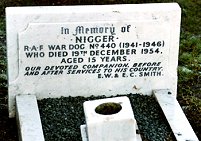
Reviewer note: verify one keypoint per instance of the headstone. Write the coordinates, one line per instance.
(92, 50)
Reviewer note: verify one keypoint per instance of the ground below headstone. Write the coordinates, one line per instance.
(8, 128)
(61, 118)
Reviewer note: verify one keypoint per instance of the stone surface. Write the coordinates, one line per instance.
(83, 129)
(85, 138)
(119, 126)
(175, 116)
(28, 118)
(92, 50)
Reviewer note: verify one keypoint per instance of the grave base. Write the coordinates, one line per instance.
(28, 118)
(175, 116)
(30, 128)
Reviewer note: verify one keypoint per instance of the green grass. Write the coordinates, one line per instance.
(189, 69)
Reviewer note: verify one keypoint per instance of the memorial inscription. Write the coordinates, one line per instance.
(101, 50)
(119, 49)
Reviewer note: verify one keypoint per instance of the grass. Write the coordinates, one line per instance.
(189, 69)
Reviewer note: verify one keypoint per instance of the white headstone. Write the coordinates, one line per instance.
(92, 50)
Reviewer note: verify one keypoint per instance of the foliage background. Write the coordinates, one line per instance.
(189, 69)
